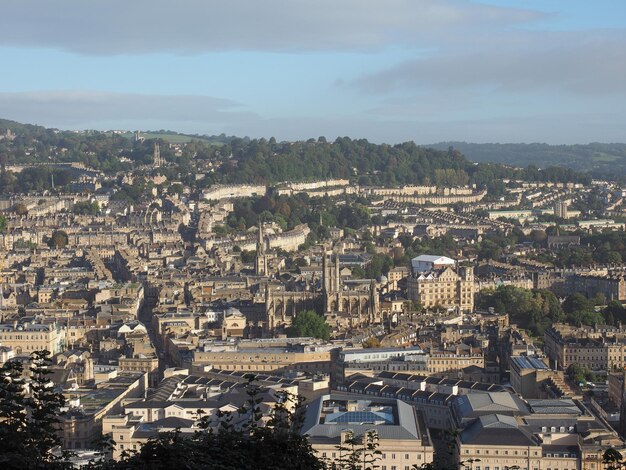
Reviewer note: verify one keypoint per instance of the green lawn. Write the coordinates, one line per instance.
(172, 138)
(605, 158)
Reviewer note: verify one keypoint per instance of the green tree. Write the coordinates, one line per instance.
(176, 188)
(248, 256)
(43, 406)
(581, 311)
(309, 323)
(20, 209)
(379, 265)
(21, 243)
(371, 342)
(86, 208)
(58, 239)
(3, 223)
(532, 309)
(277, 445)
(29, 414)
(576, 373)
(358, 452)
(613, 459)
(13, 415)
(616, 311)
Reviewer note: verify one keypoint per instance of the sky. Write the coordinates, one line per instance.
(386, 70)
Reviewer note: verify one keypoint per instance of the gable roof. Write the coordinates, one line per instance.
(496, 429)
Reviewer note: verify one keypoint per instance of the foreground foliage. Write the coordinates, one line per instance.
(29, 415)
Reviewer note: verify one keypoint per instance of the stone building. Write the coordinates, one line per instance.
(595, 348)
(362, 305)
(28, 337)
(612, 285)
(445, 287)
(402, 436)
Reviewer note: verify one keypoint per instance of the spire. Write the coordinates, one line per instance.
(260, 244)
(157, 160)
(261, 258)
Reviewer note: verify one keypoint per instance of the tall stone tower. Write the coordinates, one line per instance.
(331, 281)
(261, 256)
(157, 160)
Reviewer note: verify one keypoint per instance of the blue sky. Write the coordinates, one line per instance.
(424, 70)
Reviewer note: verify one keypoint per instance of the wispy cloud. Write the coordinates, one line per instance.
(108, 27)
(590, 62)
(206, 115)
(68, 109)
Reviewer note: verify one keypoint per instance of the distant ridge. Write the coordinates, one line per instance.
(596, 158)
(269, 160)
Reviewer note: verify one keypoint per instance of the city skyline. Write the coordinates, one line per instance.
(495, 71)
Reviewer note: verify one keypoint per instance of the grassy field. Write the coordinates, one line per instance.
(170, 137)
(605, 158)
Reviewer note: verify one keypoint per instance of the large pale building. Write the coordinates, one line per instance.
(611, 285)
(265, 356)
(29, 337)
(599, 349)
(424, 263)
(178, 402)
(542, 434)
(401, 433)
(445, 287)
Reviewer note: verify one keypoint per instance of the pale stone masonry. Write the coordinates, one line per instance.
(445, 287)
(597, 348)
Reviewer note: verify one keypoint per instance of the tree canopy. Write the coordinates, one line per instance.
(309, 323)
(29, 420)
(58, 239)
(532, 309)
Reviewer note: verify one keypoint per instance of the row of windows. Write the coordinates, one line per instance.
(21, 337)
(383, 456)
(477, 467)
(506, 452)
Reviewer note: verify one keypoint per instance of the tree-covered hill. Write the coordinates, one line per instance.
(267, 161)
(242, 160)
(597, 158)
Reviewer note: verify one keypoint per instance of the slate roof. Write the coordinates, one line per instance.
(496, 429)
(407, 426)
(152, 429)
(554, 406)
(477, 404)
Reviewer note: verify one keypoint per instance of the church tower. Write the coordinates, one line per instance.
(331, 281)
(261, 256)
(157, 160)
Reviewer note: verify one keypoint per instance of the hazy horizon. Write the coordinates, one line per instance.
(420, 70)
